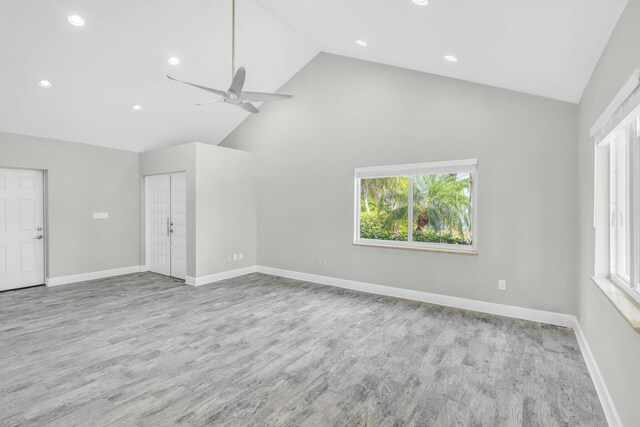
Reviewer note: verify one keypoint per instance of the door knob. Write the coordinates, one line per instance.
(38, 237)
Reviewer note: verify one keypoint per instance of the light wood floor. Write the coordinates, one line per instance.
(145, 350)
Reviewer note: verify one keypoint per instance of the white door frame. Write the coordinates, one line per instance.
(45, 222)
(147, 240)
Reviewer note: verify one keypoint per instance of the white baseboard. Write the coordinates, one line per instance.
(552, 318)
(610, 412)
(83, 277)
(212, 278)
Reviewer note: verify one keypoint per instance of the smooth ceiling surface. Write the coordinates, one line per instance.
(119, 59)
(542, 47)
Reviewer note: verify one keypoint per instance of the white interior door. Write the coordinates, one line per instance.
(158, 206)
(166, 218)
(21, 228)
(179, 225)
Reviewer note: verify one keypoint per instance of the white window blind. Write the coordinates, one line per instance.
(623, 104)
(454, 166)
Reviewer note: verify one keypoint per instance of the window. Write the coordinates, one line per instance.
(430, 206)
(616, 201)
(624, 198)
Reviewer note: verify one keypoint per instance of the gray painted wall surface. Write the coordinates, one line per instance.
(227, 201)
(349, 113)
(615, 345)
(226, 194)
(82, 179)
(221, 203)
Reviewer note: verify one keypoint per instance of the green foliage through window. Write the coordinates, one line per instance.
(441, 208)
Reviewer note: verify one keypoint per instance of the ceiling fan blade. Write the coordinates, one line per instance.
(208, 89)
(210, 102)
(248, 107)
(262, 97)
(238, 81)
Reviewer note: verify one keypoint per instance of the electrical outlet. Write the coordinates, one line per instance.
(319, 261)
(240, 256)
(502, 285)
(235, 257)
(229, 258)
(324, 262)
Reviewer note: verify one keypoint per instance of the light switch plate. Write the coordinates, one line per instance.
(101, 215)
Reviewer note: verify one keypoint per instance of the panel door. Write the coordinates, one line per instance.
(21, 228)
(179, 225)
(158, 200)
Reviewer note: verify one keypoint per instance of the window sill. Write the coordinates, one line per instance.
(469, 252)
(628, 307)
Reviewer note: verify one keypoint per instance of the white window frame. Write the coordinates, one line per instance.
(410, 171)
(629, 127)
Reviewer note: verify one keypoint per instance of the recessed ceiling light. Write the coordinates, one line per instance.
(421, 2)
(45, 84)
(137, 107)
(76, 20)
(173, 60)
(361, 43)
(451, 58)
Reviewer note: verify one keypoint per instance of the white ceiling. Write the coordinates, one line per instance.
(542, 47)
(119, 58)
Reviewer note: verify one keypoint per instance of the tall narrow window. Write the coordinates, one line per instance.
(620, 206)
(624, 204)
(419, 206)
(617, 200)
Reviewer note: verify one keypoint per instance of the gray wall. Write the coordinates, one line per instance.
(226, 217)
(82, 179)
(349, 113)
(615, 345)
(221, 203)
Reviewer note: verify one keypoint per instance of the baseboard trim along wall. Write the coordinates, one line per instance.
(548, 317)
(610, 412)
(212, 278)
(83, 277)
(558, 319)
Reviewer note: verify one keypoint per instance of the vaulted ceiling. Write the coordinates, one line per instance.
(119, 57)
(542, 47)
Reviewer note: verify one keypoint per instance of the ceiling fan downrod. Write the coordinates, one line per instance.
(233, 38)
(235, 95)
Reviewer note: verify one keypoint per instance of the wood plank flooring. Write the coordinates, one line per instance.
(147, 350)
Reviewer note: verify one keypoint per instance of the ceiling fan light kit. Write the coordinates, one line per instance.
(235, 95)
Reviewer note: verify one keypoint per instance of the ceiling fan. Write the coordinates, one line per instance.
(235, 95)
